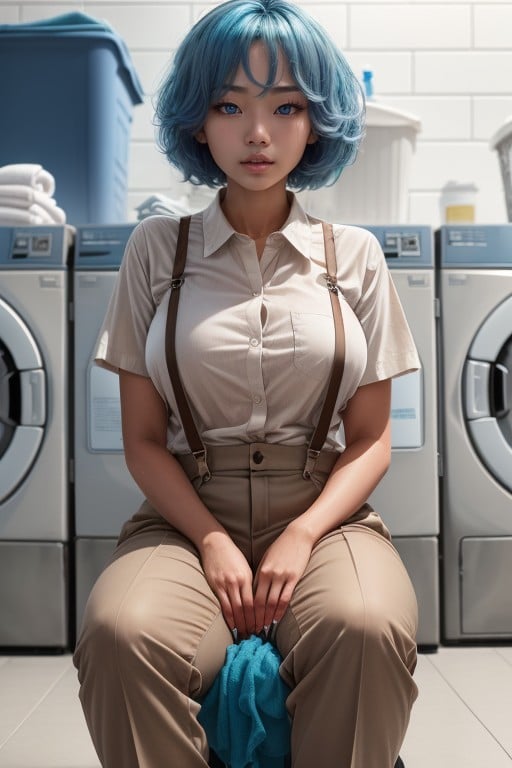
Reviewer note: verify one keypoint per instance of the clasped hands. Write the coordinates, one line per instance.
(252, 604)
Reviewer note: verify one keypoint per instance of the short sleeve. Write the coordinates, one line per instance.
(391, 350)
(122, 338)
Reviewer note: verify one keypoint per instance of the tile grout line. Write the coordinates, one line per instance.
(506, 659)
(466, 705)
(35, 706)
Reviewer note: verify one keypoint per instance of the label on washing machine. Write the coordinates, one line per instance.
(104, 411)
(407, 411)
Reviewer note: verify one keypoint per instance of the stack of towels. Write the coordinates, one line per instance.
(26, 196)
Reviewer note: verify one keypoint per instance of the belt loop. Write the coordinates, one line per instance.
(311, 460)
(202, 465)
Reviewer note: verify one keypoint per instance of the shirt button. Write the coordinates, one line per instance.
(257, 457)
(256, 293)
(255, 343)
(257, 399)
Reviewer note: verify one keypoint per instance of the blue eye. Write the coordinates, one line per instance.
(227, 108)
(289, 109)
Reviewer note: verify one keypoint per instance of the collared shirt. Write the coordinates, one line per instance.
(255, 338)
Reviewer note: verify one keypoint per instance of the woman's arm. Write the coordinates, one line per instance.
(364, 462)
(168, 489)
(358, 470)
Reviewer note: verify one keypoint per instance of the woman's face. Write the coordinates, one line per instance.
(258, 139)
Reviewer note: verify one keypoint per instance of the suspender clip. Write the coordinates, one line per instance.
(202, 466)
(332, 284)
(311, 460)
(177, 282)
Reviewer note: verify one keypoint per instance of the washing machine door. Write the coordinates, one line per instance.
(488, 393)
(22, 400)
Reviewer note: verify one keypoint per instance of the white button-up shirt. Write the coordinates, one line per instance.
(255, 338)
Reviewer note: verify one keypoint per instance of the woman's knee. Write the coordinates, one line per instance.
(108, 629)
(348, 624)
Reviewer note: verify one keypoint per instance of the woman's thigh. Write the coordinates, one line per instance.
(355, 583)
(153, 599)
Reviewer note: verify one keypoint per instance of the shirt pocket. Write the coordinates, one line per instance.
(313, 344)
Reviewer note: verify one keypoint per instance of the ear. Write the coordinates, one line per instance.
(312, 138)
(201, 137)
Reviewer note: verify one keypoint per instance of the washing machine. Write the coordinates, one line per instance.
(407, 497)
(105, 494)
(34, 439)
(476, 384)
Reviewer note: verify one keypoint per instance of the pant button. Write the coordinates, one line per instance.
(257, 457)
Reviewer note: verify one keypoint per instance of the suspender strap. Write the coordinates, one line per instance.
(324, 421)
(196, 445)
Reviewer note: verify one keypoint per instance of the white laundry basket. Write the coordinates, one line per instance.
(375, 189)
(502, 143)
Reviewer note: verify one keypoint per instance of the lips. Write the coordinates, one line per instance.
(257, 160)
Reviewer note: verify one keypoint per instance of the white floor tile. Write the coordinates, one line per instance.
(482, 677)
(443, 731)
(54, 735)
(505, 652)
(24, 682)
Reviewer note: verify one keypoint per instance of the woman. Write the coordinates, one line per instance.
(256, 419)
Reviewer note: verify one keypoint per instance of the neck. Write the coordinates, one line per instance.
(255, 214)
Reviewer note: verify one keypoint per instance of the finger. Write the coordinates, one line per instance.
(248, 608)
(227, 611)
(241, 601)
(260, 601)
(238, 615)
(272, 602)
(284, 600)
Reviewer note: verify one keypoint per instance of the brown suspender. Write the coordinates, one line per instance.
(193, 438)
(338, 363)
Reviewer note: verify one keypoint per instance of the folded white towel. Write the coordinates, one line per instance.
(26, 198)
(19, 195)
(50, 214)
(19, 216)
(29, 174)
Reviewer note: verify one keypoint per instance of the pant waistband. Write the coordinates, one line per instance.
(257, 457)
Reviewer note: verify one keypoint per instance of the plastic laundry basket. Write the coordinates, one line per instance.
(375, 189)
(67, 104)
(502, 143)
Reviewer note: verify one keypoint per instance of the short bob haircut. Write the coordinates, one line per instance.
(208, 59)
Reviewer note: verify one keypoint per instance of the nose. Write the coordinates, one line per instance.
(257, 133)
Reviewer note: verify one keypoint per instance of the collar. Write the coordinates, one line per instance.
(217, 230)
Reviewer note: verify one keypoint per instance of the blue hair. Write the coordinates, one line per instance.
(209, 57)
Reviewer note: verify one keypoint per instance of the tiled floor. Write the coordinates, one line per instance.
(462, 718)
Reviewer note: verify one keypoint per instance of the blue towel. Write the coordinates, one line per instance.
(74, 21)
(77, 24)
(244, 713)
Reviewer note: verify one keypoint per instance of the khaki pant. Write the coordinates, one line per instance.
(153, 636)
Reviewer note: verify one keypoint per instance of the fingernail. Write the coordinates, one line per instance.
(266, 627)
(234, 632)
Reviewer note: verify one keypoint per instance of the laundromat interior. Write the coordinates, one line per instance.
(80, 167)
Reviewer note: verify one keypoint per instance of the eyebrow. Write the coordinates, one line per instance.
(274, 89)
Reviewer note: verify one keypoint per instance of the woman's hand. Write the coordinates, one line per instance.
(229, 575)
(280, 569)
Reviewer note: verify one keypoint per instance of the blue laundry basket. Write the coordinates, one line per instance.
(67, 104)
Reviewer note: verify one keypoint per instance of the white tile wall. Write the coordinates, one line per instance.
(449, 64)
(410, 27)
